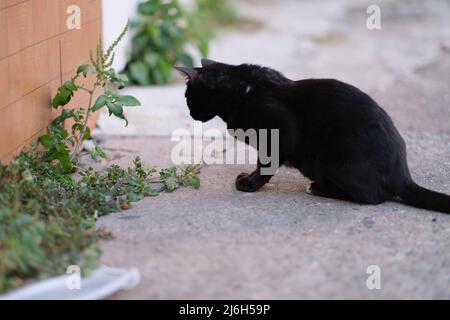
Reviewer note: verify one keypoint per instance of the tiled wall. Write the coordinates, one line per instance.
(38, 53)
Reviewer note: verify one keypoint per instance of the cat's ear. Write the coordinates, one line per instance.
(208, 62)
(190, 73)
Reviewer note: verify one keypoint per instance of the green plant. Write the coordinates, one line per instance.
(214, 14)
(159, 42)
(44, 227)
(47, 218)
(173, 178)
(163, 31)
(48, 213)
(58, 140)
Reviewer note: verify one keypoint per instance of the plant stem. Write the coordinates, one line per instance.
(79, 142)
(86, 90)
(156, 181)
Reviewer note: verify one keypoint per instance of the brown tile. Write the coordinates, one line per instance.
(5, 90)
(22, 74)
(28, 70)
(28, 117)
(31, 115)
(41, 109)
(71, 50)
(40, 20)
(3, 34)
(90, 10)
(41, 63)
(6, 145)
(26, 145)
(20, 122)
(91, 37)
(10, 3)
(33, 139)
(20, 26)
(53, 16)
(53, 58)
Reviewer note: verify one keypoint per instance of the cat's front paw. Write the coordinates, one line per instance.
(245, 183)
(242, 175)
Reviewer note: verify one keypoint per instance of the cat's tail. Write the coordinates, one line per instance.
(419, 197)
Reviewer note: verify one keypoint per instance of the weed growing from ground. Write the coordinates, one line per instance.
(49, 206)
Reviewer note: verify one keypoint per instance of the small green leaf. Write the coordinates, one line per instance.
(46, 141)
(71, 86)
(60, 147)
(56, 102)
(65, 93)
(65, 114)
(114, 109)
(63, 134)
(64, 160)
(195, 182)
(100, 103)
(83, 69)
(63, 97)
(87, 134)
(129, 101)
(122, 77)
(117, 110)
(120, 80)
(77, 127)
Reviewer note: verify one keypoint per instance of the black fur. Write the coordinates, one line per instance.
(335, 134)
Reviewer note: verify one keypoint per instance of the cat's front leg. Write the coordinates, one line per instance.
(251, 182)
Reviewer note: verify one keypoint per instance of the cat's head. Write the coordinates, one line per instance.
(211, 89)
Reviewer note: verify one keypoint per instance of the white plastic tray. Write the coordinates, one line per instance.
(102, 283)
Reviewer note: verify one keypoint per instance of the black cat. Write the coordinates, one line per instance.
(335, 134)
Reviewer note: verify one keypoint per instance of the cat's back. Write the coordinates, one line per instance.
(328, 90)
(332, 98)
(329, 108)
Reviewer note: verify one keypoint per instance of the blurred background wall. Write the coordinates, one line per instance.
(38, 53)
(114, 19)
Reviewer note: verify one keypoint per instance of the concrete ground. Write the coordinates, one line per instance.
(218, 243)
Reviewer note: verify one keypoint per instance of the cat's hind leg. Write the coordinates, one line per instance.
(327, 189)
(356, 170)
(361, 185)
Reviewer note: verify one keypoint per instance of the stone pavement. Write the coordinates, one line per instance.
(218, 243)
